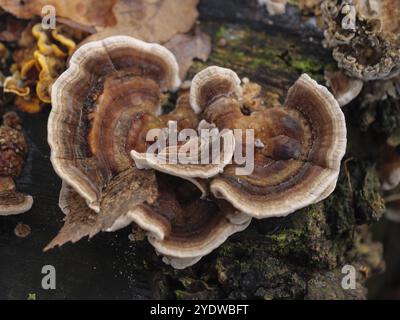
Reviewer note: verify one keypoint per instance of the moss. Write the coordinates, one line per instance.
(388, 120)
(285, 240)
(269, 57)
(369, 201)
(305, 238)
(310, 63)
(306, 66)
(180, 295)
(264, 277)
(298, 256)
(369, 205)
(340, 208)
(222, 32)
(162, 287)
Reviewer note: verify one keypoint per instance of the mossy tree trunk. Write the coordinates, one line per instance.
(300, 256)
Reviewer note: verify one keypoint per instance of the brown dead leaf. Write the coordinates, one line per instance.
(80, 220)
(187, 47)
(150, 20)
(86, 12)
(164, 22)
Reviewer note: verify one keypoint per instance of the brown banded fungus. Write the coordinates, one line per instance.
(104, 104)
(344, 88)
(13, 150)
(39, 59)
(88, 12)
(300, 145)
(191, 227)
(365, 36)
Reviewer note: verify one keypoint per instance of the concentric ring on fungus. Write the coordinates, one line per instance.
(303, 143)
(103, 107)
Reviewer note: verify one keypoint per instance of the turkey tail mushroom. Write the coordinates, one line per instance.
(302, 143)
(99, 116)
(11, 201)
(98, 112)
(197, 226)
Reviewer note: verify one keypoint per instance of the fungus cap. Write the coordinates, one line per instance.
(179, 224)
(300, 145)
(200, 146)
(364, 35)
(11, 201)
(98, 115)
(344, 88)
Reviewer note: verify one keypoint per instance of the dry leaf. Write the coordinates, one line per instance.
(151, 20)
(86, 12)
(187, 47)
(80, 220)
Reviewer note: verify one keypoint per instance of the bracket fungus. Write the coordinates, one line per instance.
(13, 150)
(344, 88)
(91, 127)
(365, 36)
(300, 145)
(199, 147)
(101, 114)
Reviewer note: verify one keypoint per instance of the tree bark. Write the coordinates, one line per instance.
(300, 256)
